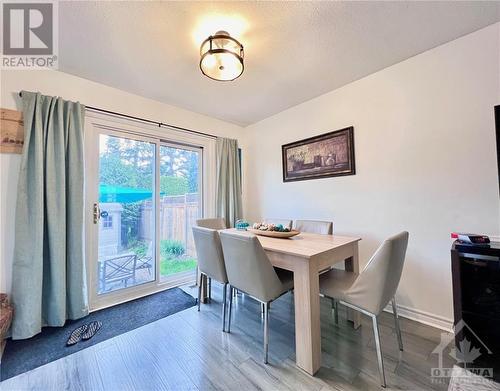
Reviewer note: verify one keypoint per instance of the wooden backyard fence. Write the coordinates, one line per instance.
(177, 215)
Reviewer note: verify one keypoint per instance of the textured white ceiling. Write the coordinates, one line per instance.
(294, 51)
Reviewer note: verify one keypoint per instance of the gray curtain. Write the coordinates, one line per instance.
(49, 280)
(228, 197)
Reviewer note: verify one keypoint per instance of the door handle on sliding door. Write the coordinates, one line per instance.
(97, 213)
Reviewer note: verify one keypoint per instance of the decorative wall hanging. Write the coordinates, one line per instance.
(327, 155)
(11, 131)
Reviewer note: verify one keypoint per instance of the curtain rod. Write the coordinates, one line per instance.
(160, 124)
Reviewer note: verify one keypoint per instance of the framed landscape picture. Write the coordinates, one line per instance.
(327, 155)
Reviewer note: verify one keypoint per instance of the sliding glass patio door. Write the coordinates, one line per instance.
(126, 233)
(147, 195)
(180, 207)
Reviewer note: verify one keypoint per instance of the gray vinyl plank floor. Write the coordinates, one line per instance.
(188, 351)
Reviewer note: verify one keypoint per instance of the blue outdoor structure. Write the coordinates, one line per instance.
(108, 193)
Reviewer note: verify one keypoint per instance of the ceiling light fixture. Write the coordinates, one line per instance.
(221, 57)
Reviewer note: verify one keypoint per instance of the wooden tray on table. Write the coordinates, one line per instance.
(274, 234)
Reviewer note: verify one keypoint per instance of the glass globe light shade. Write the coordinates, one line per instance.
(221, 57)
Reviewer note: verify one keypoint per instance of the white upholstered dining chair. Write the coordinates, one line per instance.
(314, 226)
(250, 271)
(210, 262)
(371, 290)
(212, 223)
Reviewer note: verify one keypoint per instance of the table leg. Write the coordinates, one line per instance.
(352, 265)
(307, 316)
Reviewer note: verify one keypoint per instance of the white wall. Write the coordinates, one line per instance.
(87, 92)
(425, 160)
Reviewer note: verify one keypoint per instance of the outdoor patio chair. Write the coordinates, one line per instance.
(146, 262)
(121, 268)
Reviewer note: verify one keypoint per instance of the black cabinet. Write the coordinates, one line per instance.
(476, 300)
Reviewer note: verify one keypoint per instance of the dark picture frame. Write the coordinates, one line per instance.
(323, 156)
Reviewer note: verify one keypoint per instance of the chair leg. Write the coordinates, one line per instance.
(335, 308)
(199, 290)
(266, 331)
(209, 290)
(231, 289)
(396, 321)
(224, 291)
(379, 351)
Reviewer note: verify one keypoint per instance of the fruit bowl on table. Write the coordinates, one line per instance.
(272, 230)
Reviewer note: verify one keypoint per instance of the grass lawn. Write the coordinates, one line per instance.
(170, 266)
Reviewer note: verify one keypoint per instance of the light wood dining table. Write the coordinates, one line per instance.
(306, 255)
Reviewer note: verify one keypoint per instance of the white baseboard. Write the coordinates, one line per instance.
(424, 317)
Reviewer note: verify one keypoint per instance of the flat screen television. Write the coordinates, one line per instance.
(497, 125)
